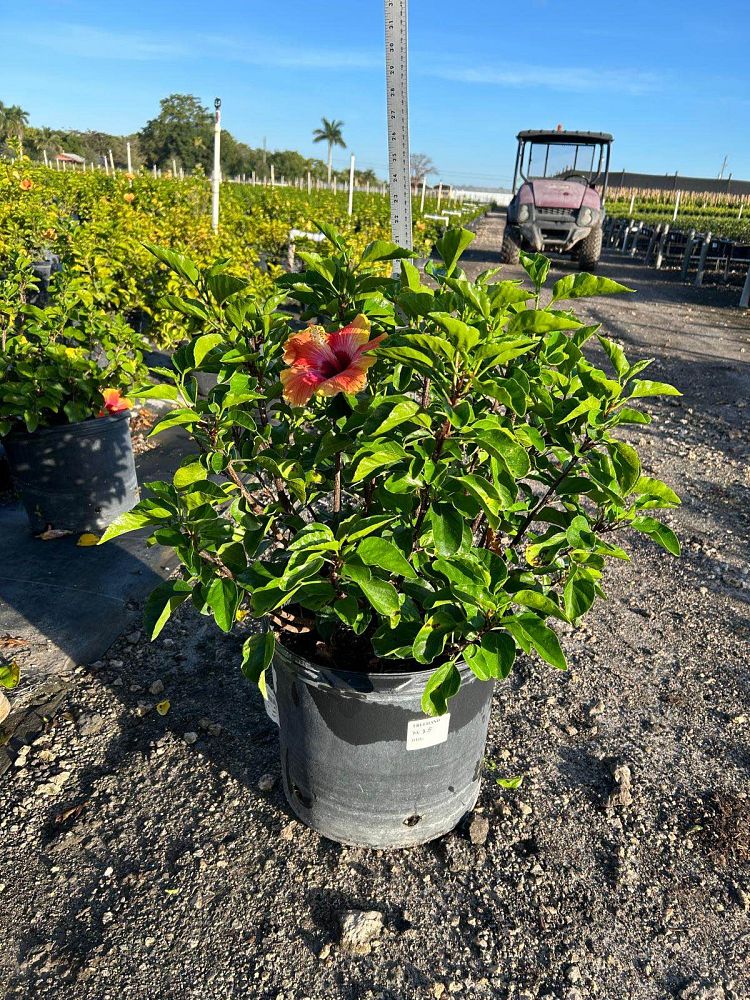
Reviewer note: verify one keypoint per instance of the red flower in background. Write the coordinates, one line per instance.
(328, 363)
(114, 402)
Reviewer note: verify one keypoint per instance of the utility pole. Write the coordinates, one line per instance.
(217, 167)
(723, 167)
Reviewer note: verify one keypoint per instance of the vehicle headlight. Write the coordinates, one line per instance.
(524, 213)
(586, 216)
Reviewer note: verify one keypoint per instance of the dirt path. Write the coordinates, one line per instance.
(142, 860)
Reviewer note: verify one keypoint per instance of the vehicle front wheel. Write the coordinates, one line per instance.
(510, 252)
(590, 250)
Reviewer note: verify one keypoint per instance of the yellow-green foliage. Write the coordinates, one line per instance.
(98, 224)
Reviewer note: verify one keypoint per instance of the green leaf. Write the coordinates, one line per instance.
(537, 602)
(382, 595)
(223, 597)
(176, 262)
(188, 474)
(379, 461)
(429, 642)
(441, 686)
(583, 285)
(537, 267)
(540, 321)
(537, 635)
(510, 782)
(462, 336)
(452, 244)
(203, 345)
(222, 285)
(657, 493)
(645, 387)
(257, 653)
(627, 465)
(659, 532)
(487, 496)
(162, 390)
(395, 643)
(616, 355)
(10, 674)
(578, 596)
(447, 529)
(400, 413)
(161, 603)
(385, 555)
(134, 519)
(493, 657)
(384, 250)
(587, 406)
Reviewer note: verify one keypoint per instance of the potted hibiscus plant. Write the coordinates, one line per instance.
(393, 501)
(64, 419)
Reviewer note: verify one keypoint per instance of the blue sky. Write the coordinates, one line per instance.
(669, 78)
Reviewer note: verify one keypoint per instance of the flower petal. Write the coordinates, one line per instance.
(352, 380)
(300, 384)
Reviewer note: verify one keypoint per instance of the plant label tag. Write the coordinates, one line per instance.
(272, 706)
(421, 733)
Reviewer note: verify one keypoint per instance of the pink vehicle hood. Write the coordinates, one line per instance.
(553, 193)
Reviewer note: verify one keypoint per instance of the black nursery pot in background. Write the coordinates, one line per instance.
(76, 477)
(362, 764)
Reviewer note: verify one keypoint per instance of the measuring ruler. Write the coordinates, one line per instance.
(397, 92)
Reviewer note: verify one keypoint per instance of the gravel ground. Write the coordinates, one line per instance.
(153, 856)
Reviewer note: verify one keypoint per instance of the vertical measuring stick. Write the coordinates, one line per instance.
(351, 185)
(397, 96)
(216, 180)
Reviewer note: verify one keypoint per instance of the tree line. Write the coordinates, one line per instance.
(180, 136)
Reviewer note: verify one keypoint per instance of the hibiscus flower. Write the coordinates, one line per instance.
(328, 363)
(114, 402)
(129, 197)
(26, 184)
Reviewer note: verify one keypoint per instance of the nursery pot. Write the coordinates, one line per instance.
(362, 764)
(76, 477)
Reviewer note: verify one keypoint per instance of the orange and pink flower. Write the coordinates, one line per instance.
(114, 402)
(328, 363)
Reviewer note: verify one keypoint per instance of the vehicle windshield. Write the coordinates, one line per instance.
(557, 159)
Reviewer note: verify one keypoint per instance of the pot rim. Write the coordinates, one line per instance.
(358, 679)
(86, 426)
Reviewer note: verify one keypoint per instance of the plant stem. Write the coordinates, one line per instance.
(337, 483)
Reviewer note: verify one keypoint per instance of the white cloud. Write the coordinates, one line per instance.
(561, 78)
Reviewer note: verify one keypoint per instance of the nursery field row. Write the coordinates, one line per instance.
(96, 225)
(727, 217)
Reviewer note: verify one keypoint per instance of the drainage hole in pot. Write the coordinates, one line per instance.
(412, 820)
(305, 800)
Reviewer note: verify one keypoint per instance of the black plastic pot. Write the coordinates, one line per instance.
(76, 477)
(363, 765)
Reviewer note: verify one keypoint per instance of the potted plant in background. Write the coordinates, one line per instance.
(403, 495)
(64, 420)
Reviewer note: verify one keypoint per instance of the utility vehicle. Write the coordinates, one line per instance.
(559, 186)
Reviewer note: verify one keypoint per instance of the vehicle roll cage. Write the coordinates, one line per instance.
(530, 138)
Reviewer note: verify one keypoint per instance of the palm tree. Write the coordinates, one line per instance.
(330, 133)
(15, 120)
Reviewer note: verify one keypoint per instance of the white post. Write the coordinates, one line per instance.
(351, 185)
(182, 173)
(309, 182)
(334, 185)
(217, 167)
(273, 178)
(111, 161)
(153, 170)
(676, 206)
(46, 162)
(174, 167)
(632, 202)
(424, 190)
(253, 178)
(106, 166)
(130, 159)
(367, 188)
(739, 214)
(440, 195)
